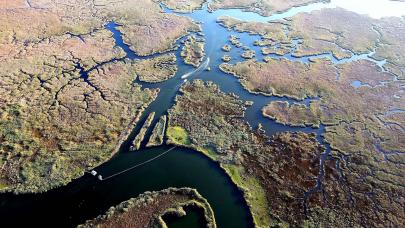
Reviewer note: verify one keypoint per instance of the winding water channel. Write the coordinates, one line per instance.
(88, 197)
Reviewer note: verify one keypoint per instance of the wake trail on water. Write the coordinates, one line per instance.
(137, 165)
(201, 67)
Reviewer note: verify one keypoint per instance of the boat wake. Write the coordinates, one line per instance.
(203, 66)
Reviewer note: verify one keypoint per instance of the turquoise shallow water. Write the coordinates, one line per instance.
(87, 197)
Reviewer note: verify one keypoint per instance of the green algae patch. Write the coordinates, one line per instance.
(178, 135)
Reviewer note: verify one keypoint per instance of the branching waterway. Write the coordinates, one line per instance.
(88, 197)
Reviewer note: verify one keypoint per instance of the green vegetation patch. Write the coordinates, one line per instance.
(178, 135)
(254, 193)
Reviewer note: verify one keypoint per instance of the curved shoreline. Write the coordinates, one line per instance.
(186, 197)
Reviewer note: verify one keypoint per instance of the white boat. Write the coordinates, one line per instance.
(93, 172)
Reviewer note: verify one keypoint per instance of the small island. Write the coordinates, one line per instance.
(148, 209)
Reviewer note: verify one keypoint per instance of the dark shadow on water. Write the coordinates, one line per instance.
(193, 218)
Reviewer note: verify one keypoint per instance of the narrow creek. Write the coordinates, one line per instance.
(88, 197)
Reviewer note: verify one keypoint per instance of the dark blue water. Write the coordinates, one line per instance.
(87, 197)
(193, 218)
